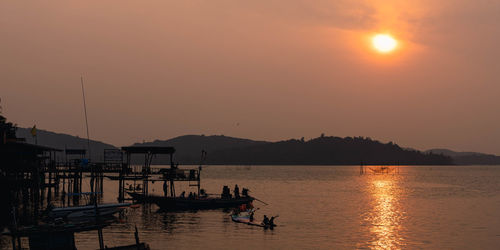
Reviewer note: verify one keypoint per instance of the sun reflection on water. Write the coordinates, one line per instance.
(385, 215)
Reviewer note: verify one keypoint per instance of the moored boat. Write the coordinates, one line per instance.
(180, 203)
(89, 211)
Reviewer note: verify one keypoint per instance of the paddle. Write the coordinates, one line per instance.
(261, 201)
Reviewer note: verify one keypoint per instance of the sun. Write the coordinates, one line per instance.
(384, 43)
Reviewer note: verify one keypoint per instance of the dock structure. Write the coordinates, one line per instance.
(378, 170)
(148, 174)
(28, 174)
(42, 180)
(32, 179)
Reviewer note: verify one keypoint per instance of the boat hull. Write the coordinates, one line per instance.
(178, 203)
(73, 213)
(245, 219)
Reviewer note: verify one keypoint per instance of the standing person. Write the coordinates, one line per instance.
(236, 191)
(165, 188)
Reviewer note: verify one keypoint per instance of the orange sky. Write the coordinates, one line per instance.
(266, 70)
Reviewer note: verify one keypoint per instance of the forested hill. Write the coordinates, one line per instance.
(226, 150)
(189, 147)
(319, 151)
(327, 151)
(63, 141)
(469, 158)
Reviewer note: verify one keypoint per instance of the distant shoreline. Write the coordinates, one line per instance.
(320, 151)
(314, 165)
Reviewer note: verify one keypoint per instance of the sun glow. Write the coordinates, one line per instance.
(384, 43)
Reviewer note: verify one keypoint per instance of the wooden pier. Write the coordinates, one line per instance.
(33, 179)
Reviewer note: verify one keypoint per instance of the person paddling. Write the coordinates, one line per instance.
(265, 221)
(271, 221)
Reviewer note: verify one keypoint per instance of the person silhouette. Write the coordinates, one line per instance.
(271, 221)
(265, 221)
(236, 191)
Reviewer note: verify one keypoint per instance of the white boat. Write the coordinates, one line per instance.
(80, 212)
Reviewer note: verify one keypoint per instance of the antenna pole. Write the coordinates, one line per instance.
(86, 120)
(93, 179)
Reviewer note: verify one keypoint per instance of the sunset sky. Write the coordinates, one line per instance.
(267, 70)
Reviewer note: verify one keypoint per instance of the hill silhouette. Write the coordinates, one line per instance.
(63, 141)
(224, 150)
(469, 158)
(327, 151)
(189, 147)
(323, 150)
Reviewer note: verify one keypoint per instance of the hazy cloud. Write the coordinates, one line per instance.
(157, 69)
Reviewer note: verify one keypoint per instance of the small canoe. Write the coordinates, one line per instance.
(246, 220)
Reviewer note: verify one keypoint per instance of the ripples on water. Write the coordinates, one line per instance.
(328, 207)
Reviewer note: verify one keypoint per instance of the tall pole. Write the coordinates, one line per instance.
(86, 120)
(93, 181)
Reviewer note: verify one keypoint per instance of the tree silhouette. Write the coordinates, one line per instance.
(7, 129)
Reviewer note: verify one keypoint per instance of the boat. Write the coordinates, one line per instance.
(180, 203)
(245, 219)
(140, 246)
(129, 178)
(89, 211)
(169, 176)
(137, 246)
(53, 235)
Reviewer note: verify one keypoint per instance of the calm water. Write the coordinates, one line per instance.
(328, 207)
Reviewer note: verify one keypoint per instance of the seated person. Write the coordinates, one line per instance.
(265, 221)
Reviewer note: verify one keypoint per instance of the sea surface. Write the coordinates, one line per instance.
(326, 207)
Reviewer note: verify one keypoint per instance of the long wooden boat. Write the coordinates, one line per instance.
(128, 178)
(179, 203)
(140, 246)
(75, 213)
